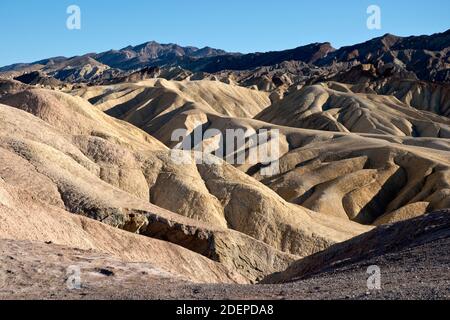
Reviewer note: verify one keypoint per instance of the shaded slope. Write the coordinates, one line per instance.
(395, 239)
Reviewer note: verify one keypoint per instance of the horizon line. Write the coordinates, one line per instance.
(226, 51)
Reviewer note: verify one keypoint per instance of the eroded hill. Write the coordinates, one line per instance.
(88, 174)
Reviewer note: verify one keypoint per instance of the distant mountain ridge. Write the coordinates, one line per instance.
(153, 54)
(428, 57)
(309, 54)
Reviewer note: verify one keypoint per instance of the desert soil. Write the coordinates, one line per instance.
(422, 272)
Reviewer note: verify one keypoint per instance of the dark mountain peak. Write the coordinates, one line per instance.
(323, 46)
(162, 46)
(208, 52)
(390, 36)
(384, 42)
(389, 39)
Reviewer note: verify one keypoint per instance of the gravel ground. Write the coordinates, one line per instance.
(39, 271)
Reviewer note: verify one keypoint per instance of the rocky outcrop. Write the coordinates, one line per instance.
(26, 218)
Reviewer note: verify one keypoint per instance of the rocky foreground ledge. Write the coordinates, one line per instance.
(417, 269)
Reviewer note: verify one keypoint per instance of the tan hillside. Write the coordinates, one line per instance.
(146, 101)
(334, 107)
(432, 97)
(106, 170)
(58, 179)
(357, 177)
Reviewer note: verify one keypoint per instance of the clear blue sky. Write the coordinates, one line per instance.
(32, 30)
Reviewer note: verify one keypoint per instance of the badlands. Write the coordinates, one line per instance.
(88, 178)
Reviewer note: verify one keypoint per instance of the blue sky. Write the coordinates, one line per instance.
(33, 30)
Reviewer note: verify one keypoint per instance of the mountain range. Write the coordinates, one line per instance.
(426, 57)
